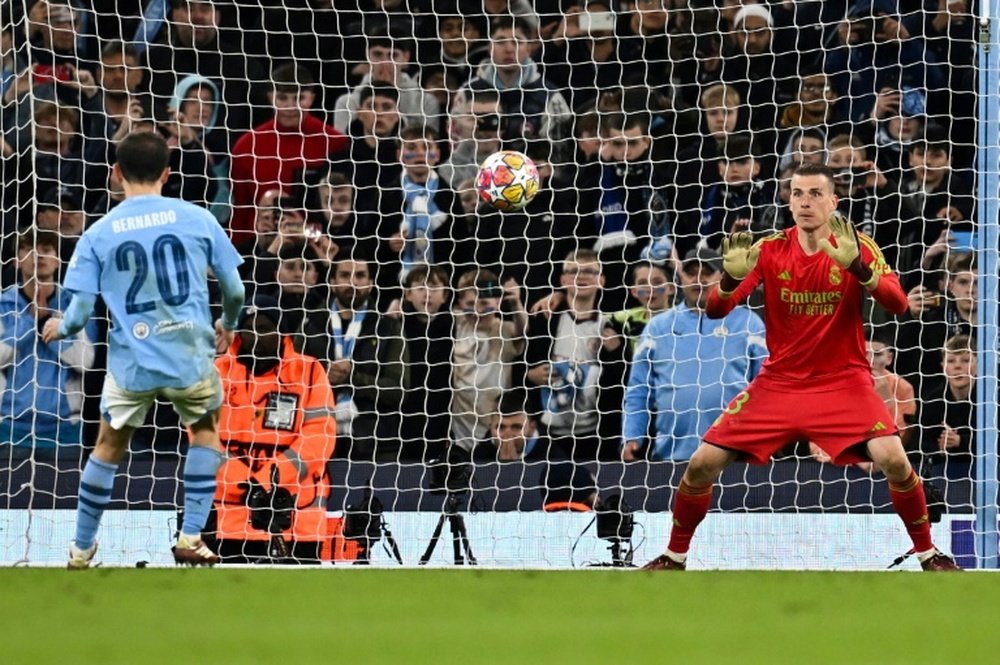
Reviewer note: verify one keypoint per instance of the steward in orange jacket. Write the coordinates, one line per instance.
(276, 422)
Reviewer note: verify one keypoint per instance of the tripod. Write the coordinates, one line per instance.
(365, 545)
(364, 524)
(459, 534)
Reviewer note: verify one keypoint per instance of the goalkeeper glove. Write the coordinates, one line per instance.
(739, 255)
(847, 249)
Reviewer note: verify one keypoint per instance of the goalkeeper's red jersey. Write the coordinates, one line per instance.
(812, 314)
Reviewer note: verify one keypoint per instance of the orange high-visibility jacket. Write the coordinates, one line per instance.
(284, 417)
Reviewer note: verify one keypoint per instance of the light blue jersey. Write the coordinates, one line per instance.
(149, 259)
(686, 368)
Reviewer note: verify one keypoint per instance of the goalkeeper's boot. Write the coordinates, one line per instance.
(191, 551)
(664, 562)
(939, 562)
(80, 559)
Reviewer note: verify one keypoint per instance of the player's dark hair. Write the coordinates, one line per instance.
(810, 169)
(142, 157)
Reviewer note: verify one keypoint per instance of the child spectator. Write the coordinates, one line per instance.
(388, 58)
(427, 322)
(895, 391)
(739, 199)
(421, 235)
(40, 384)
(948, 413)
(296, 289)
(488, 338)
(532, 106)
(935, 316)
(372, 164)
(563, 354)
(351, 229)
(194, 109)
(278, 151)
(943, 199)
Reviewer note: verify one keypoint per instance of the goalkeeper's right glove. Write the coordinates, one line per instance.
(739, 255)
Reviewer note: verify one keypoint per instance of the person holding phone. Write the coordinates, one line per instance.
(944, 200)
(586, 59)
(934, 315)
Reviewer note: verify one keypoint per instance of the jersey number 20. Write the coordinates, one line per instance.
(174, 286)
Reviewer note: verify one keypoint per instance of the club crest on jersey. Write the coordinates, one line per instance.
(140, 330)
(836, 276)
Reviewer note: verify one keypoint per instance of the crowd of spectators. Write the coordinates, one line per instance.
(338, 143)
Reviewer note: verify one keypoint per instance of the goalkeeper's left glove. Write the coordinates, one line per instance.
(847, 248)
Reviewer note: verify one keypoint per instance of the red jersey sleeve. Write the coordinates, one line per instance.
(889, 292)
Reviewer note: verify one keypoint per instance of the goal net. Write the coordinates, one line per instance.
(527, 385)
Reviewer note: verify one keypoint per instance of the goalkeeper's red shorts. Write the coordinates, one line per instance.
(759, 422)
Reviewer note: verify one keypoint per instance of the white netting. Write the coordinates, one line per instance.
(339, 142)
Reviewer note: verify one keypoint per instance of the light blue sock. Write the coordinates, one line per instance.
(96, 482)
(199, 487)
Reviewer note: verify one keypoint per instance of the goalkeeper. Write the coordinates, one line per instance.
(814, 276)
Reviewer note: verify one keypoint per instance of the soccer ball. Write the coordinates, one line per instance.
(507, 180)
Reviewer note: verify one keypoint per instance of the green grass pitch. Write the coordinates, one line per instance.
(470, 617)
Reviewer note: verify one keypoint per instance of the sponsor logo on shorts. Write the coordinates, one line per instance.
(140, 330)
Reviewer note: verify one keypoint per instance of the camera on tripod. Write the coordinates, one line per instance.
(452, 474)
(364, 524)
(615, 523)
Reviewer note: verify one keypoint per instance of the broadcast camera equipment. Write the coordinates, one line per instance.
(453, 478)
(364, 524)
(615, 524)
(271, 511)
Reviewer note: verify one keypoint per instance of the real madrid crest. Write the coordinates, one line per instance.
(836, 277)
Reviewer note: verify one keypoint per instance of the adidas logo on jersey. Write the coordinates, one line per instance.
(785, 276)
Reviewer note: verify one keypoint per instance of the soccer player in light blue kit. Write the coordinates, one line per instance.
(149, 259)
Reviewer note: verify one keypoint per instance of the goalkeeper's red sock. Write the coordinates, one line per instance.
(690, 507)
(911, 506)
